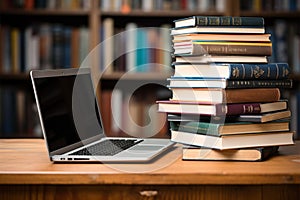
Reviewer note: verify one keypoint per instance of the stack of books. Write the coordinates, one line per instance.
(227, 99)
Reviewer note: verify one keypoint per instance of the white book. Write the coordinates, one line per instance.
(108, 44)
(233, 141)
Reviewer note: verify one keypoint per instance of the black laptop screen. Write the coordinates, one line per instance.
(68, 109)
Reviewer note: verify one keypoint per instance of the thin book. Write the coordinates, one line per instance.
(191, 82)
(221, 37)
(220, 109)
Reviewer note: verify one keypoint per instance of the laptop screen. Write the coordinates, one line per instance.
(69, 109)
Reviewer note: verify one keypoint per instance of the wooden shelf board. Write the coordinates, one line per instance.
(14, 77)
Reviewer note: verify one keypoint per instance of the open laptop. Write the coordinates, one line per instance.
(71, 121)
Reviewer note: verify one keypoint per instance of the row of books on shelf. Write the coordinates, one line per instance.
(17, 114)
(270, 5)
(157, 5)
(47, 4)
(246, 112)
(42, 46)
(133, 48)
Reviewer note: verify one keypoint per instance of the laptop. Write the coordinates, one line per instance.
(71, 121)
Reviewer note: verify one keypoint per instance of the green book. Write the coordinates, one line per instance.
(219, 129)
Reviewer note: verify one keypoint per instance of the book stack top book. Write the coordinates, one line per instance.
(225, 93)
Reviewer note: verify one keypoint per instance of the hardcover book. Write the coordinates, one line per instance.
(233, 71)
(219, 21)
(218, 29)
(246, 154)
(222, 37)
(220, 109)
(216, 129)
(233, 141)
(262, 118)
(257, 118)
(223, 48)
(221, 59)
(219, 95)
(191, 82)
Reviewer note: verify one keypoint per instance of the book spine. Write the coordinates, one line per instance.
(288, 83)
(196, 127)
(238, 109)
(228, 21)
(251, 95)
(259, 71)
(228, 49)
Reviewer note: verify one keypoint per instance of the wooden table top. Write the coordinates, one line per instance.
(25, 161)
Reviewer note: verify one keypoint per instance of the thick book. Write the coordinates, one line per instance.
(221, 37)
(221, 59)
(220, 109)
(218, 29)
(220, 129)
(219, 21)
(246, 154)
(223, 48)
(187, 82)
(233, 141)
(233, 70)
(219, 95)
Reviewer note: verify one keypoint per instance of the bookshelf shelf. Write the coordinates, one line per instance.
(14, 77)
(45, 12)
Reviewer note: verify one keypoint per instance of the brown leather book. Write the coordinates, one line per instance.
(211, 95)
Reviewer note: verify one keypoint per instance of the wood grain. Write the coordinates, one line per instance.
(27, 173)
(27, 162)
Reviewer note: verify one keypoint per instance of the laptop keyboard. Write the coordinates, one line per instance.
(107, 147)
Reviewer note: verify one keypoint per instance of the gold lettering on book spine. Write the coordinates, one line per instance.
(248, 109)
(203, 21)
(214, 21)
(237, 21)
(235, 72)
(225, 21)
(258, 72)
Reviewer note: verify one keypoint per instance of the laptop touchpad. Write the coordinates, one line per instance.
(145, 148)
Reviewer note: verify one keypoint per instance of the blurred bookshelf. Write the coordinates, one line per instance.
(87, 22)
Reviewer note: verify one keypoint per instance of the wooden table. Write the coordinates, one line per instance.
(27, 173)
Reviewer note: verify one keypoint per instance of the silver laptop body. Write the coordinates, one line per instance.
(71, 121)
